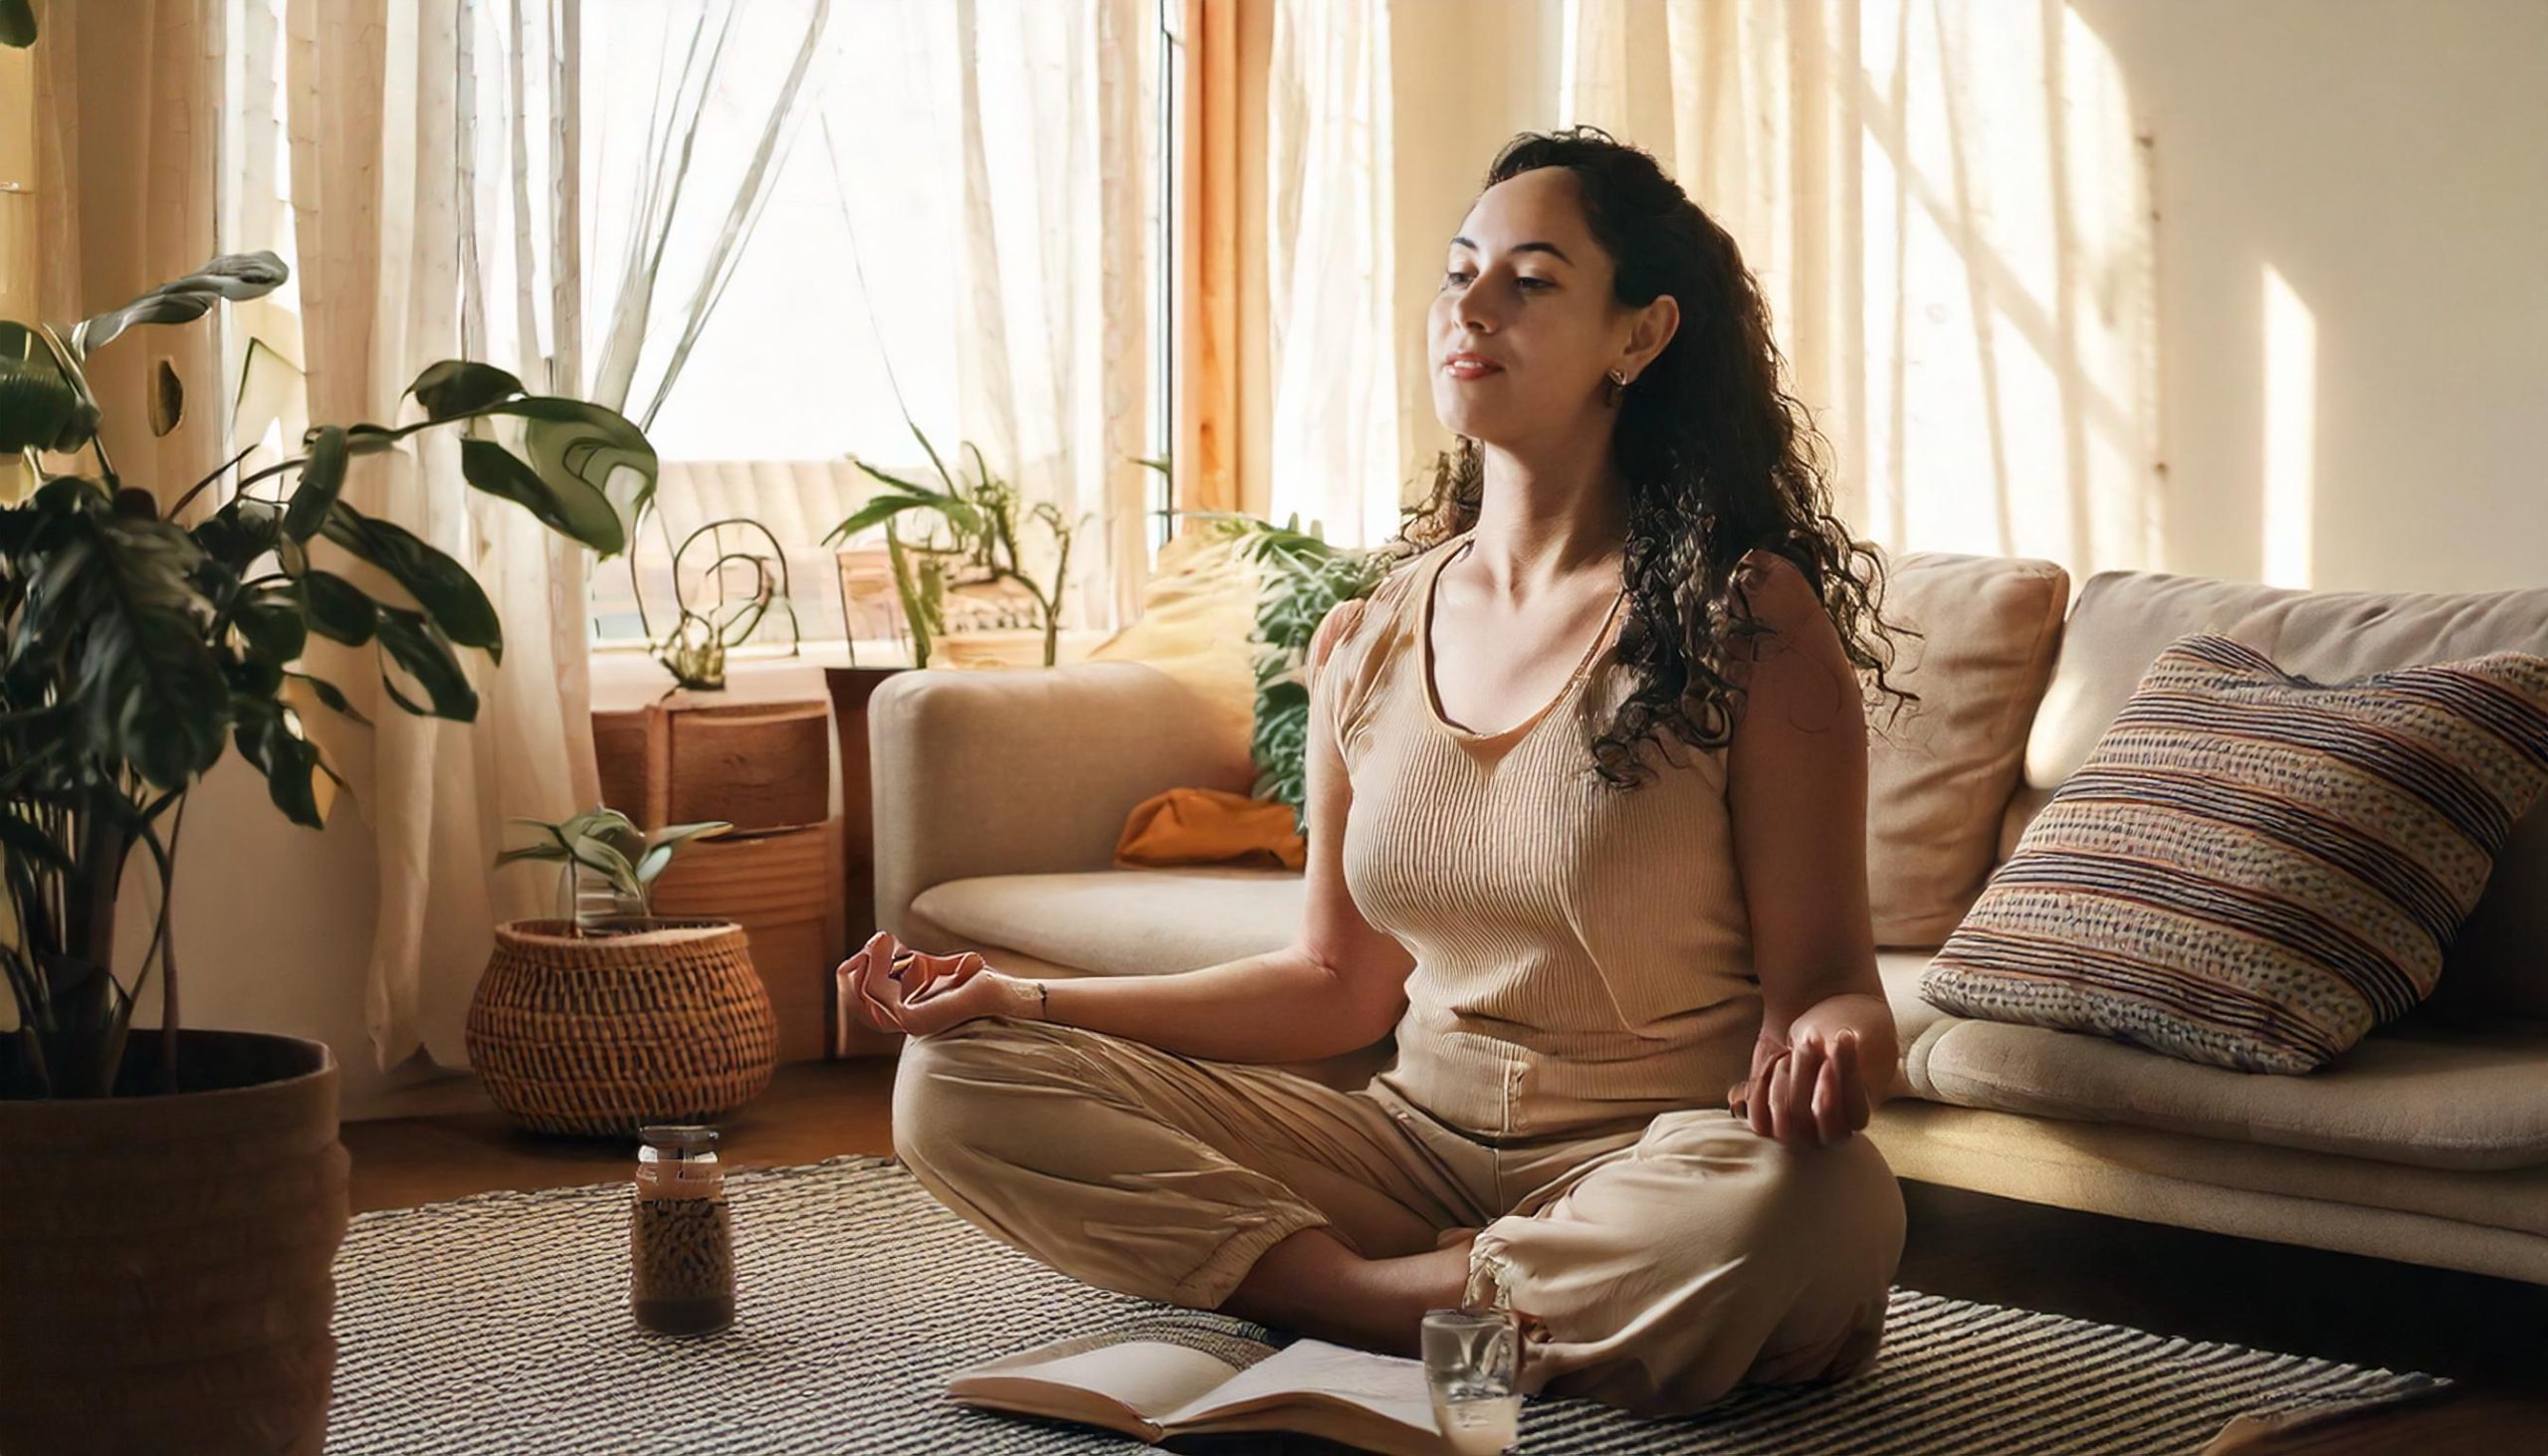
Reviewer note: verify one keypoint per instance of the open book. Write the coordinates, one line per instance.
(1173, 1383)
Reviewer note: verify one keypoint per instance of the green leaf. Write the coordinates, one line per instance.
(561, 502)
(115, 620)
(442, 586)
(662, 843)
(251, 676)
(370, 439)
(239, 533)
(338, 609)
(41, 405)
(274, 626)
(572, 439)
(333, 695)
(459, 386)
(959, 513)
(605, 857)
(426, 655)
(17, 24)
(323, 478)
(233, 275)
(288, 763)
(880, 507)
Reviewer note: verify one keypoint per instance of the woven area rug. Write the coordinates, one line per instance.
(501, 1324)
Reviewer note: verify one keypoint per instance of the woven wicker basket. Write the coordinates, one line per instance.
(659, 1021)
(166, 1261)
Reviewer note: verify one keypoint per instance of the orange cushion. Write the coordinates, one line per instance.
(1209, 826)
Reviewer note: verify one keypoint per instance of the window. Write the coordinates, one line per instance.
(844, 307)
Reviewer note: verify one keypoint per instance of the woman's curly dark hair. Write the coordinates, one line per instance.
(1718, 457)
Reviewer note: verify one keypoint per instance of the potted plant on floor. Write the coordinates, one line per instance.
(177, 1195)
(609, 1017)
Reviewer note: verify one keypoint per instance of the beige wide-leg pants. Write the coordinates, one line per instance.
(1664, 1263)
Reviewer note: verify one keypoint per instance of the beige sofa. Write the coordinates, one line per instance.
(998, 797)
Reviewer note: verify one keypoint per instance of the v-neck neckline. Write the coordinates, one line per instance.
(1424, 655)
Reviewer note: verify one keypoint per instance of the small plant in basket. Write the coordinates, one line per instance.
(606, 865)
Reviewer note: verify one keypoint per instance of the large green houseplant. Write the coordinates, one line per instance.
(180, 1194)
(138, 650)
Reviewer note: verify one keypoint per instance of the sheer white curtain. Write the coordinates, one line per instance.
(1338, 409)
(436, 218)
(1944, 200)
(1949, 207)
(500, 179)
(380, 199)
(1049, 104)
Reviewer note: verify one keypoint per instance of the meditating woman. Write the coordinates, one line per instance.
(1586, 807)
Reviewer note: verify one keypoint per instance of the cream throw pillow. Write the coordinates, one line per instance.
(1940, 772)
(1197, 625)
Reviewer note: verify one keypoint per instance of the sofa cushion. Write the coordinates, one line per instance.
(1939, 772)
(2495, 968)
(1119, 922)
(2429, 1099)
(2252, 870)
(2492, 1222)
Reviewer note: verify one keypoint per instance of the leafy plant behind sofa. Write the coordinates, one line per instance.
(1300, 580)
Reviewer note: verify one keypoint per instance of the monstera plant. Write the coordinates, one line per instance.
(142, 643)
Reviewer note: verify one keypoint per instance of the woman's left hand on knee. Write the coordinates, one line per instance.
(1808, 1092)
(913, 991)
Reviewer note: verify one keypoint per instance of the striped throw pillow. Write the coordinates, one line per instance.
(2252, 870)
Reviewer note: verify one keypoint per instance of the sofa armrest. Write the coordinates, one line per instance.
(1029, 771)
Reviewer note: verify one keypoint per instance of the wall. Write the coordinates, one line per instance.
(2388, 160)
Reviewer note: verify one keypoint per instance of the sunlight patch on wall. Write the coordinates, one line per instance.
(2291, 429)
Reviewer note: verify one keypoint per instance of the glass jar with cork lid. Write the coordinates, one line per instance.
(681, 1238)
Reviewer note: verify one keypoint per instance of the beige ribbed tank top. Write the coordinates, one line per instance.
(1583, 955)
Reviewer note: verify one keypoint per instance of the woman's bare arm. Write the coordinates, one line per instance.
(1798, 791)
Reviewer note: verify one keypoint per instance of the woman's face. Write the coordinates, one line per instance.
(1524, 326)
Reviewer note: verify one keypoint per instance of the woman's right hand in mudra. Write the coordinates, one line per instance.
(892, 987)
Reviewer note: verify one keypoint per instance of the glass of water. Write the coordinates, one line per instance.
(1472, 1366)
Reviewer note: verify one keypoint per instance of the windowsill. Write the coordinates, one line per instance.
(626, 677)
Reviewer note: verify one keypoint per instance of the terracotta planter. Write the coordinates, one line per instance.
(600, 1035)
(166, 1261)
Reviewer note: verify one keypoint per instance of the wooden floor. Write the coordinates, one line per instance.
(2491, 1334)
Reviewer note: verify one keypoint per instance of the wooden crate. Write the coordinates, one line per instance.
(784, 887)
(757, 765)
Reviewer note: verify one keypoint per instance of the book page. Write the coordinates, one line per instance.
(1310, 1373)
(1106, 1379)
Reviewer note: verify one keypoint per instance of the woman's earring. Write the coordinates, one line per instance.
(1618, 384)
